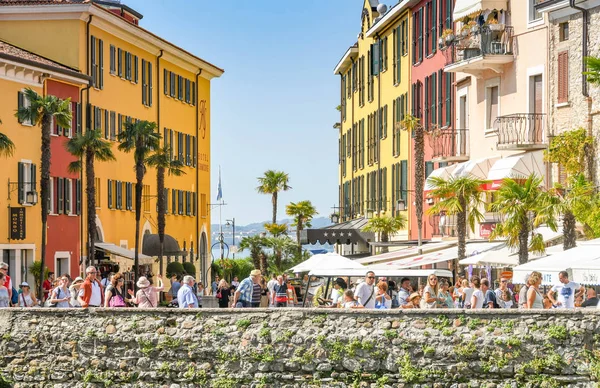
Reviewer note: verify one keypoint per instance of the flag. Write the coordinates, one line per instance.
(219, 190)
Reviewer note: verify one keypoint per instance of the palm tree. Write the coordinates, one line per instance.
(593, 72)
(272, 183)
(161, 159)
(413, 125)
(385, 227)
(525, 206)
(7, 147)
(303, 212)
(91, 146)
(141, 138)
(461, 196)
(42, 111)
(276, 229)
(279, 245)
(570, 150)
(255, 245)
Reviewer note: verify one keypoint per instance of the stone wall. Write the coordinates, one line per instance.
(574, 114)
(298, 348)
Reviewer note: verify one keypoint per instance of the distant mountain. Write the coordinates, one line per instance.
(257, 227)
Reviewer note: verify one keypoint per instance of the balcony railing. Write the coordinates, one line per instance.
(448, 229)
(493, 43)
(450, 144)
(521, 130)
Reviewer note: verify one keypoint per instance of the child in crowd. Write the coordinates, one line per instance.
(506, 299)
(349, 301)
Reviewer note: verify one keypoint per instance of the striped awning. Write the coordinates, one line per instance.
(464, 8)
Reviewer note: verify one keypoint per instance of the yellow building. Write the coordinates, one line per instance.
(375, 82)
(135, 75)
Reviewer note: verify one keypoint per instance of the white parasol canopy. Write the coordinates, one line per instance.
(330, 260)
(390, 272)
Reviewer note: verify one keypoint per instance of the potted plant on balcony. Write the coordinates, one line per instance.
(494, 25)
(448, 36)
(464, 31)
(474, 27)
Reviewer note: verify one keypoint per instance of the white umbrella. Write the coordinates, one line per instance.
(330, 260)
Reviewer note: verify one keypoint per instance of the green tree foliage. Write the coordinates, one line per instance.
(189, 268)
(142, 139)
(525, 206)
(303, 213)
(413, 125)
(593, 73)
(255, 244)
(7, 147)
(228, 268)
(175, 268)
(461, 196)
(42, 111)
(385, 227)
(89, 147)
(272, 182)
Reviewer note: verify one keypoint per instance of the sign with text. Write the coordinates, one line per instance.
(17, 223)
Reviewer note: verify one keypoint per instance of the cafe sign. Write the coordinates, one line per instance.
(17, 223)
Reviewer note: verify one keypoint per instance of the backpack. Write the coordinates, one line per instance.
(15, 296)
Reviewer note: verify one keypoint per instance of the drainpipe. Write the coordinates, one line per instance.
(202, 264)
(158, 91)
(585, 14)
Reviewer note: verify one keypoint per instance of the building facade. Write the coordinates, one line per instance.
(572, 101)
(20, 238)
(135, 75)
(375, 79)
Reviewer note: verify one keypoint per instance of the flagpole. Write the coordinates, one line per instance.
(220, 222)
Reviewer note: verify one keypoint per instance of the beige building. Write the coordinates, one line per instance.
(499, 54)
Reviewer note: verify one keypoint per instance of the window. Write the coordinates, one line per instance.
(563, 31)
(174, 201)
(398, 42)
(193, 93)
(180, 202)
(110, 193)
(433, 35)
(60, 195)
(118, 195)
(78, 196)
(51, 196)
(128, 66)
(23, 102)
(187, 91)
(135, 69)
(106, 124)
(97, 62)
(448, 99)
(188, 203)
(113, 124)
(98, 197)
(492, 106)
(404, 26)
(173, 85)
(97, 118)
(384, 53)
(534, 15)
(166, 77)
(120, 62)
(68, 194)
(563, 77)
(113, 65)
(180, 87)
(128, 196)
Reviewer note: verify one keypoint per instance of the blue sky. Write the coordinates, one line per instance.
(274, 108)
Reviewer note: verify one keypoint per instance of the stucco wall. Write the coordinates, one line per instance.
(298, 348)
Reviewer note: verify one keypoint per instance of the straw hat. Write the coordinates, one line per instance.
(255, 272)
(413, 296)
(24, 284)
(78, 279)
(143, 282)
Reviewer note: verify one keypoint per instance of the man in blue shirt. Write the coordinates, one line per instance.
(186, 295)
(215, 284)
(243, 294)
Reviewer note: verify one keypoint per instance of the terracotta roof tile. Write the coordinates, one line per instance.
(14, 51)
(41, 2)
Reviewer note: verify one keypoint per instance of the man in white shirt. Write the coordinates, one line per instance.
(271, 287)
(565, 292)
(365, 291)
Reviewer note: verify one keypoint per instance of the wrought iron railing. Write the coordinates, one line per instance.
(448, 143)
(494, 39)
(521, 129)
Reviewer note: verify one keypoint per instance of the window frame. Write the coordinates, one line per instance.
(490, 84)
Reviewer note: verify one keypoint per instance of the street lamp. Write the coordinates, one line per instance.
(232, 223)
(401, 205)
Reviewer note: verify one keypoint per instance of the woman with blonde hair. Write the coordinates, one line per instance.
(430, 293)
(223, 293)
(535, 300)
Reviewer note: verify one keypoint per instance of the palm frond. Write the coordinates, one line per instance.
(75, 166)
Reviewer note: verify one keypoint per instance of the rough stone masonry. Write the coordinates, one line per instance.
(298, 348)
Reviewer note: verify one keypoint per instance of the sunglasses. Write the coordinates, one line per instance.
(370, 277)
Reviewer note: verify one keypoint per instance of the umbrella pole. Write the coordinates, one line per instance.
(305, 293)
(327, 288)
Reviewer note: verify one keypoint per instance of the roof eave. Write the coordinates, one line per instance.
(84, 79)
(390, 17)
(342, 64)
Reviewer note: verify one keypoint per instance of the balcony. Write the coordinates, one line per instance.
(521, 131)
(450, 145)
(473, 51)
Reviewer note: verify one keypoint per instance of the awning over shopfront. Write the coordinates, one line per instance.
(503, 256)
(444, 255)
(349, 232)
(516, 167)
(151, 246)
(329, 260)
(122, 252)
(479, 168)
(389, 272)
(464, 8)
(404, 252)
(442, 172)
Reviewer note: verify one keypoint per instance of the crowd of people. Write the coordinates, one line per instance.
(473, 293)
(256, 291)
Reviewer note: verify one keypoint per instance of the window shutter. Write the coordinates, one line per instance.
(120, 62)
(79, 118)
(448, 101)
(78, 196)
(106, 124)
(195, 150)
(433, 26)
(166, 81)
(143, 82)
(101, 61)
(180, 195)
(421, 35)
(403, 180)
(173, 201)
(149, 82)
(61, 197)
(119, 124)
(433, 98)
(110, 194)
(135, 68)
(21, 184)
(440, 101)
(563, 77)
(93, 61)
(33, 178)
(166, 191)
(428, 169)
(68, 192)
(194, 93)
(112, 59)
(194, 207)
(173, 85)
(20, 103)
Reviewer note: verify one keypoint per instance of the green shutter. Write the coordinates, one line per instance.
(135, 69)
(448, 101)
(143, 82)
(433, 98)
(78, 197)
(120, 62)
(60, 187)
(433, 26)
(101, 62)
(440, 98)
(428, 169)
(166, 82)
(149, 82)
(110, 194)
(403, 180)
(68, 194)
